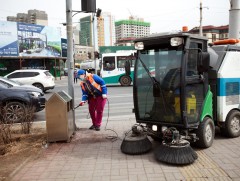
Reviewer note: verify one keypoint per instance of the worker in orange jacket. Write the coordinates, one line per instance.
(94, 91)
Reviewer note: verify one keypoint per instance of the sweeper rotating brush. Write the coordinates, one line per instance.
(178, 153)
(136, 144)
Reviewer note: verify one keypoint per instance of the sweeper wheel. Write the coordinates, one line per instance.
(180, 153)
(136, 144)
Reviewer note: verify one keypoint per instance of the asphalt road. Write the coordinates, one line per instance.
(119, 105)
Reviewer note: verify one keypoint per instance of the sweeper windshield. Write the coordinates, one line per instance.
(157, 84)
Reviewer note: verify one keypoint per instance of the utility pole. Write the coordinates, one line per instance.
(234, 15)
(87, 47)
(98, 14)
(70, 62)
(200, 27)
(94, 49)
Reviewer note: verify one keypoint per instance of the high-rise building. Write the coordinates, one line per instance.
(37, 17)
(106, 29)
(76, 33)
(86, 31)
(128, 30)
(32, 17)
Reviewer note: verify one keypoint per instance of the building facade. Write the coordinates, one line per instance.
(106, 29)
(128, 30)
(82, 53)
(76, 34)
(32, 17)
(84, 50)
(213, 33)
(86, 29)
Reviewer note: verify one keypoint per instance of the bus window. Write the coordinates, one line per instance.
(121, 60)
(120, 63)
(108, 63)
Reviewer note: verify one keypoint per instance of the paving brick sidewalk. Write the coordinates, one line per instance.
(92, 155)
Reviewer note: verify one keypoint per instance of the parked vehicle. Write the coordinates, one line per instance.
(183, 89)
(193, 90)
(42, 79)
(12, 83)
(15, 100)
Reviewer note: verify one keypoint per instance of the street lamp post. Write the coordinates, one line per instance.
(200, 27)
(87, 46)
(98, 14)
(70, 62)
(94, 49)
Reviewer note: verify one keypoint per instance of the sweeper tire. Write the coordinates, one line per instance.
(136, 144)
(232, 125)
(205, 133)
(177, 154)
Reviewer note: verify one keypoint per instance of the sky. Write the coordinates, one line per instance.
(164, 15)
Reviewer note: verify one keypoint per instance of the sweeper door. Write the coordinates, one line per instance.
(157, 86)
(169, 88)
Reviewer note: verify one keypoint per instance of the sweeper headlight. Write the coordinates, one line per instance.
(154, 127)
(139, 46)
(176, 41)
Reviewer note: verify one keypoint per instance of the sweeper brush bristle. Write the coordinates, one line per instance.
(176, 154)
(136, 144)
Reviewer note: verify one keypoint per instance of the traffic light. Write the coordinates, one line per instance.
(98, 14)
(89, 6)
(96, 55)
(89, 55)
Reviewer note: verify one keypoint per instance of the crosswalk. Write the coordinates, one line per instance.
(118, 107)
(112, 112)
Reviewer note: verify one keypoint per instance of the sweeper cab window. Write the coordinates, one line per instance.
(158, 70)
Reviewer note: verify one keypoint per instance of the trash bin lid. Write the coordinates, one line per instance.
(64, 96)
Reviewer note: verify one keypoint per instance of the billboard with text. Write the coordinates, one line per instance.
(22, 39)
(8, 39)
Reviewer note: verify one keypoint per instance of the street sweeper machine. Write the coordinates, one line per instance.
(183, 88)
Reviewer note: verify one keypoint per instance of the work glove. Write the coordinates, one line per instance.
(82, 103)
(104, 96)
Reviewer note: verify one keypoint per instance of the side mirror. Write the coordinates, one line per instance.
(203, 62)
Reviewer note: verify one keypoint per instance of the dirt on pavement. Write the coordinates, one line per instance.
(23, 148)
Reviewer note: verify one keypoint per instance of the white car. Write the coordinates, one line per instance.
(12, 83)
(42, 79)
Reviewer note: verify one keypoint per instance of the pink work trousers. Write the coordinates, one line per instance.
(96, 107)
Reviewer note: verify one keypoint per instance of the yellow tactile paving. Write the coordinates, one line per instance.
(203, 169)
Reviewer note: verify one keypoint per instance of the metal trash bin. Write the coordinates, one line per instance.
(59, 117)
